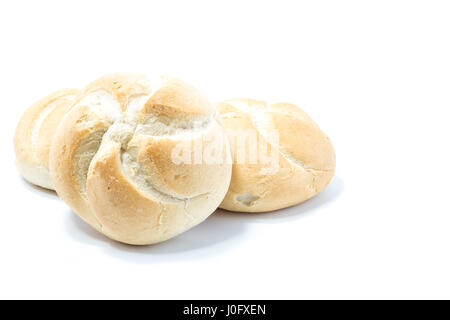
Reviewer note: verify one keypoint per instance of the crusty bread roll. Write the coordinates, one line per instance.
(112, 158)
(34, 133)
(285, 158)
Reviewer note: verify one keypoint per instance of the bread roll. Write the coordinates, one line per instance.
(287, 158)
(34, 133)
(112, 158)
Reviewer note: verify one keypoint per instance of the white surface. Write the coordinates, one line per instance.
(374, 74)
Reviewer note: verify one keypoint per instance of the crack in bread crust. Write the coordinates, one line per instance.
(263, 125)
(122, 130)
(43, 116)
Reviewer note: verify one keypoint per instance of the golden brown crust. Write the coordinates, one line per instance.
(176, 97)
(306, 158)
(111, 159)
(34, 133)
(122, 85)
(63, 162)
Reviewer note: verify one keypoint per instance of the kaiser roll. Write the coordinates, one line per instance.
(112, 158)
(34, 133)
(280, 156)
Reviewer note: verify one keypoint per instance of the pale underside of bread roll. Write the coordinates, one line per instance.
(112, 158)
(34, 133)
(299, 158)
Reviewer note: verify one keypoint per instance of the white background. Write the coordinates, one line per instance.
(375, 75)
